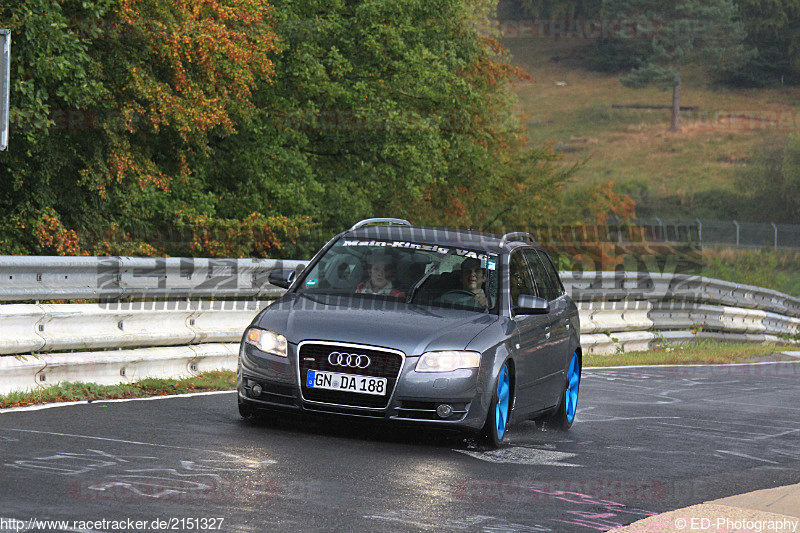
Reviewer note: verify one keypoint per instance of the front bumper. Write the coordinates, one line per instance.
(414, 398)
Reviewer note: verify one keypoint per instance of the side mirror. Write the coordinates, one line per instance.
(531, 305)
(282, 277)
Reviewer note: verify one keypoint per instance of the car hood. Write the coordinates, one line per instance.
(411, 328)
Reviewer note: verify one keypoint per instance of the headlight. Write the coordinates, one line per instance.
(447, 361)
(267, 341)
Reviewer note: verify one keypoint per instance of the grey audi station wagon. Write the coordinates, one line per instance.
(449, 328)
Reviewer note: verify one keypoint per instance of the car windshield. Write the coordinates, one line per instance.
(417, 273)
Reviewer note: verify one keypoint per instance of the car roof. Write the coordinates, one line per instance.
(471, 239)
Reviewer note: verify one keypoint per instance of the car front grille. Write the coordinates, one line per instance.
(383, 364)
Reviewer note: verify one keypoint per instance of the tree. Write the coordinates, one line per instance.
(705, 32)
(232, 127)
(562, 9)
(773, 32)
(51, 72)
(118, 107)
(402, 109)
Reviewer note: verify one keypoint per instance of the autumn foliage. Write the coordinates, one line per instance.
(240, 128)
(213, 54)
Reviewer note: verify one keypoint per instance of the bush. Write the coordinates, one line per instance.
(770, 269)
(772, 182)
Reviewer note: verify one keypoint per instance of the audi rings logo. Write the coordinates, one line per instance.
(349, 360)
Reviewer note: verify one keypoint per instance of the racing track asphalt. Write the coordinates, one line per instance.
(647, 440)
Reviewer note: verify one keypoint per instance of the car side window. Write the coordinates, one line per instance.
(551, 269)
(547, 287)
(519, 278)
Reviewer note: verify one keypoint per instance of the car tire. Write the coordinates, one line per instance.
(564, 416)
(496, 427)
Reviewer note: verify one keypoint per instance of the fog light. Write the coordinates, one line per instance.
(256, 390)
(444, 410)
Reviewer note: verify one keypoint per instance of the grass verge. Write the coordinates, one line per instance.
(73, 391)
(593, 119)
(696, 352)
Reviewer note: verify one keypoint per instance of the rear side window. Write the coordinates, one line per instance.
(547, 287)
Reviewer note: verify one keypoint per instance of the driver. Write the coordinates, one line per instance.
(472, 279)
(381, 271)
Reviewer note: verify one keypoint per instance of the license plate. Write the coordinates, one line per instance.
(346, 382)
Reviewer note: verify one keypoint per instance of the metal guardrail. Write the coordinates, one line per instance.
(37, 328)
(112, 367)
(647, 286)
(25, 278)
(608, 327)
(620, 311)
(116, 278)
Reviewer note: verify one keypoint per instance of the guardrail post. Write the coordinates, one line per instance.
(735, 223)
(775, 227)
(699, 231)
(5, 84)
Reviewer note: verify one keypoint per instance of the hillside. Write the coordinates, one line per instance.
(590, 116)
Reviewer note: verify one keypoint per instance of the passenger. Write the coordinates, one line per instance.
(381, 272)
(472, 279)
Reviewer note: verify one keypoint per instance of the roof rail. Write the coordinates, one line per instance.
(517, 236)
(376, 221)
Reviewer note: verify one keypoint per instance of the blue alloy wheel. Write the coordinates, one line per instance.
(573, 383)
(501, 408)
(564, 414)
(494, 430)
